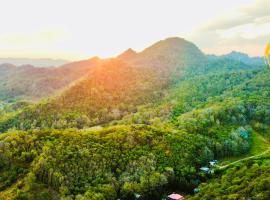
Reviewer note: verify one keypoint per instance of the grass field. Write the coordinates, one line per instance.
(258, 146)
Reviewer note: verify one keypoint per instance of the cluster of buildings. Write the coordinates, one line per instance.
(206, 169)
(209, 169)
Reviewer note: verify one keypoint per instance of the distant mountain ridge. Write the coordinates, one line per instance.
(41, 62)
(168, 59)
(241, 57)
(31, 82)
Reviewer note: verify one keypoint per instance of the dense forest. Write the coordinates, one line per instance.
(141, 126)
(249, 180)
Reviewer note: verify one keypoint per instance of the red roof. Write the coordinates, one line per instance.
(176, 197)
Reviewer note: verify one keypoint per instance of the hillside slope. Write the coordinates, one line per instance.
(169, 57)
(135, 126)
(32, 83)
(107, 93)
(115, 88)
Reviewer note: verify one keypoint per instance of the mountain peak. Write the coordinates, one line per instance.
(130, 50)
(172, 45)
(129, 53)
(237, 53)
(174, 40)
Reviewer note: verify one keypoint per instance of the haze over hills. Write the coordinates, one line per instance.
(142, 124)
(245, 58)
(32, 83)
(241, 57)
(42, 62)
(132, 79)
(165, 57)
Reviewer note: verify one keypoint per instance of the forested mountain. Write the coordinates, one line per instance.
(169, 57)
(244, 58)
(241, 57)
(166, 57)
(141, 126)
(115, 88)
(32, 83)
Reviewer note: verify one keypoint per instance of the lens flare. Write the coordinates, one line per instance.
(266, 55)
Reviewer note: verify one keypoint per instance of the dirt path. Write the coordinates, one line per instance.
(243, 159)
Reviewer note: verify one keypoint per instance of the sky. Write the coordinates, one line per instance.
(80, 29)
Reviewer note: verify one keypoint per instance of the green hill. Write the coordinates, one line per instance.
(33, 83)
(143, 124)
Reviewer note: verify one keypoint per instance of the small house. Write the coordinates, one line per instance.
(205, 169)
(213, 163)
(175, 197)
(137, 196)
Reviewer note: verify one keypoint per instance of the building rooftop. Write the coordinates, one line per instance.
(206, 169)
(176, 197)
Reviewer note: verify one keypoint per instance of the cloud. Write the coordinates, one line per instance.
(259, 8)
(246, 29)
(221, 45)
(255, 13)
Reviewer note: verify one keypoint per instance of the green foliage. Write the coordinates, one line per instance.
(248, 180)
(124, 131)
(120, 159)
(107, 93)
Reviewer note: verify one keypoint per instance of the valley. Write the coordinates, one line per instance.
(141, 123)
